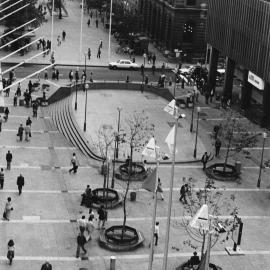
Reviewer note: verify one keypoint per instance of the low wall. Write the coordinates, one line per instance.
(63, 92)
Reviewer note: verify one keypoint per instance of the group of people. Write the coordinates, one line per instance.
(26, 129)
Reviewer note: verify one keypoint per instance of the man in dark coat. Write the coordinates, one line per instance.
(81, 241)
(8, 159)
(46, 266)
(20, 183)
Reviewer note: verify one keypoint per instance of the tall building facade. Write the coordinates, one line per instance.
(240, 30)
(176, 24)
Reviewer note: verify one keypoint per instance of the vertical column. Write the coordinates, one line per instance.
(246, 91)
(211, 81)
(228, 83)
(266, 108)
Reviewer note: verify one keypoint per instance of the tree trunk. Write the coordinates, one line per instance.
(126, 192)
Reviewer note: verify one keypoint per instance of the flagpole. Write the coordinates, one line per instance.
(165, 257)
(151, 255)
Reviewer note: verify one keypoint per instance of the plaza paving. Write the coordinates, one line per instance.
(43, 221)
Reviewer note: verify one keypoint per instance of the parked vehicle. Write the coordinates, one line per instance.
(123, 64)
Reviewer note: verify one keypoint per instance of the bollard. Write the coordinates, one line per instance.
(112, 263)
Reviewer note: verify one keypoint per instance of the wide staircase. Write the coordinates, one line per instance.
(64, 119)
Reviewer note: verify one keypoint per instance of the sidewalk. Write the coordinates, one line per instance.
(68, 52)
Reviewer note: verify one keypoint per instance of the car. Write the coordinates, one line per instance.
(123, 64)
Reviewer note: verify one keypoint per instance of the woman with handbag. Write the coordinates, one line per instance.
(8, 209)
(11, 250)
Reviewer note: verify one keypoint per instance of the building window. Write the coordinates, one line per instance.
(188, 31)
(191, 2)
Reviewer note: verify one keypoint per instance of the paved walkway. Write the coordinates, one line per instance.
(68, 53)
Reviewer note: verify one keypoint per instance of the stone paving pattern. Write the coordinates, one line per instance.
(53, 195)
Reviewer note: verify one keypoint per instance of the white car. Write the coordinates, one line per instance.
(125, 64)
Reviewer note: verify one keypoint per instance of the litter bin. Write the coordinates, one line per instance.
(21, 102)
(112, 262)
(133, 196)
(238, 167)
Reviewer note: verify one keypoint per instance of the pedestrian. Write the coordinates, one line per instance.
(91, 214)
(77, 75)
(82, 224)
(156, 233)
(96, 23)
(2, 178)
(205, 159)
(64, 34)
(154, 59)
(98, 53)
(74, 164)
(46, 266)
(30, 86)
(81, 241)
(20, 183)
(6, 112)
(183, 191)
(58, 41)
(217, 146)
(100, 44)
(216, 130)
(10, 251)
(88, 22)
(15, 98)
(8, 159)
(89, 53)
(1, 121)
(89, 228)
(27, 131)
(8, 209)
(35, 108)
(28, 121)
(70, 75)
(160, 190)
(46, 74)
(91, 77)
(146, 80)
(20, 132)
(57, 74)
(18, 91)
(102, 216)
(127, 79)
(142, 70)
(7, 92)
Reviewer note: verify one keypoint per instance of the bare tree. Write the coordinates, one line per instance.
(222, 211)
(236, 134)
(138, 130)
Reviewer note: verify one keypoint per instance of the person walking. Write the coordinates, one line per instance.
(156, 233)
(20, 132)
(89, 228)
(15, 98)
(8, 209)
(81, 241)
(45, 74)
(20, 183)
(96, 22)
(74, 164)
(98, 53)
(58, 41)
(217, 146)
(160, 190)
(27, 130)
(70, 75)
(10, 251)
(205, 159)
(6, 112)
(82, 224)
(89, 53)
(2, 178)
(77, 75)
(1, 121)
(46, 266)
(154, 58)
(142, 70)
(57, 74)
(88, 22)
(64, 34)
(183, 191)
(102, 216)
(8, 159)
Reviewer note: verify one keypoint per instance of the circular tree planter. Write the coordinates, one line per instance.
(186, 266)
(113, 200)
(217, 172)
(112, 238)
(138, 173)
